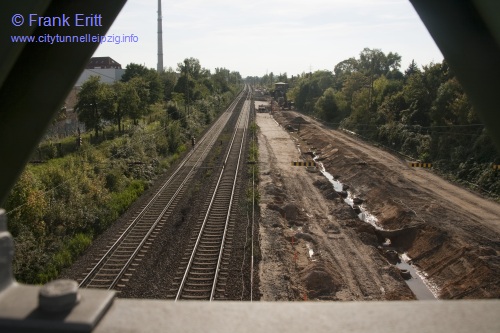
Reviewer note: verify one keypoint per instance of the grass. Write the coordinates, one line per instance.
(80, 191)
(120, 201)
(64, 257)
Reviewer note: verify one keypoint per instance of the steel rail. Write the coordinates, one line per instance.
(134, 223)
(211, 135)
(229, 210)
(153, 226)
(209, 209)
(252, 110)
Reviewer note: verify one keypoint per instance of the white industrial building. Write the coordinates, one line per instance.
(105, 67)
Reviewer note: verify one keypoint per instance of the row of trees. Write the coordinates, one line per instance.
(56, 208)
(140, 88)
(422, 112)
(269, 79)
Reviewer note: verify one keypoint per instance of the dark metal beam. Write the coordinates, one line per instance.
(38, 76)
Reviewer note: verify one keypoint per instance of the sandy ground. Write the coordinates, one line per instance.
(451, 234)
(310, 249)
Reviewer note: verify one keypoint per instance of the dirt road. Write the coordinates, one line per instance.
(449, 233)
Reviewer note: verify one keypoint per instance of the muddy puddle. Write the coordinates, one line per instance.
(415, 279)
(364, 215)
(422, 289)
(310, 251)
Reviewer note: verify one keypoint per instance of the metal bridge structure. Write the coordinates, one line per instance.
(37, 76)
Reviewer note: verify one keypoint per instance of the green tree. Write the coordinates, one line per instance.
(282, 77)
(95, 99)
(451, 106)
(309, 88)
(174, 136)
(141, 89)
(134, 70)
(155, 86)
(390, 109)
(185, 86)
(343, 70)
(374, 62)
(190, 70)
(418, 99)
(169, 79)
(191, 67)
(127, 102)
(173, 112)
(221, 80)
(154, 82)
(327, 107)
(412, 69)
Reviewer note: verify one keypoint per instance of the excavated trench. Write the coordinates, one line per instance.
(450, 234)
(391, 243)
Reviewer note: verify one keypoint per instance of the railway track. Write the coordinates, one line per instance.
(112, 269)
(203, 270)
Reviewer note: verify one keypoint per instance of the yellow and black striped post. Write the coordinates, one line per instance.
(306, 164)
(420, 165)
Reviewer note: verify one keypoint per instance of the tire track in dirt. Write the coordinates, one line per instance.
(452, 232)
(294, 212)
(459, 199)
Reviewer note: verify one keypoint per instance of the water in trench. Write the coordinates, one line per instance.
(310, 250)
(422, 288)
(418, 284)
(364, 214)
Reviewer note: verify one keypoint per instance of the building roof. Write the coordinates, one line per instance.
(102, 62)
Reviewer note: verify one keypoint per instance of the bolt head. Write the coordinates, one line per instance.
(58, 296)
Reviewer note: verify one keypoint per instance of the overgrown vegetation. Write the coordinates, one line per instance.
(421, 112)
(137, 128)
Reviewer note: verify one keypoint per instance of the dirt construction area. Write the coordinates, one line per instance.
(315, 244)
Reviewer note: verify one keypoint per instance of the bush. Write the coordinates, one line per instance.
(114, 180)
(78, 244)
(121, 200)
(57, 207)
(70, 250)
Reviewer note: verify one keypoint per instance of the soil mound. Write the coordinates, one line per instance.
(275, 208)
(326, 189)
(305, 236)
(291, 212)
(322, 184)
(274, 190)
(299, 120)
(320, 280)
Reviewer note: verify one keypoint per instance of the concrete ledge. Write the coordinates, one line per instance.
(20, 311)
(388, 317)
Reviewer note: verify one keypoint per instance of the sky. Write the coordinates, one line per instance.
(280, 36)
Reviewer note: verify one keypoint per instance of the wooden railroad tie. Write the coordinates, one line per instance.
(306, 164)
(420, 165)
